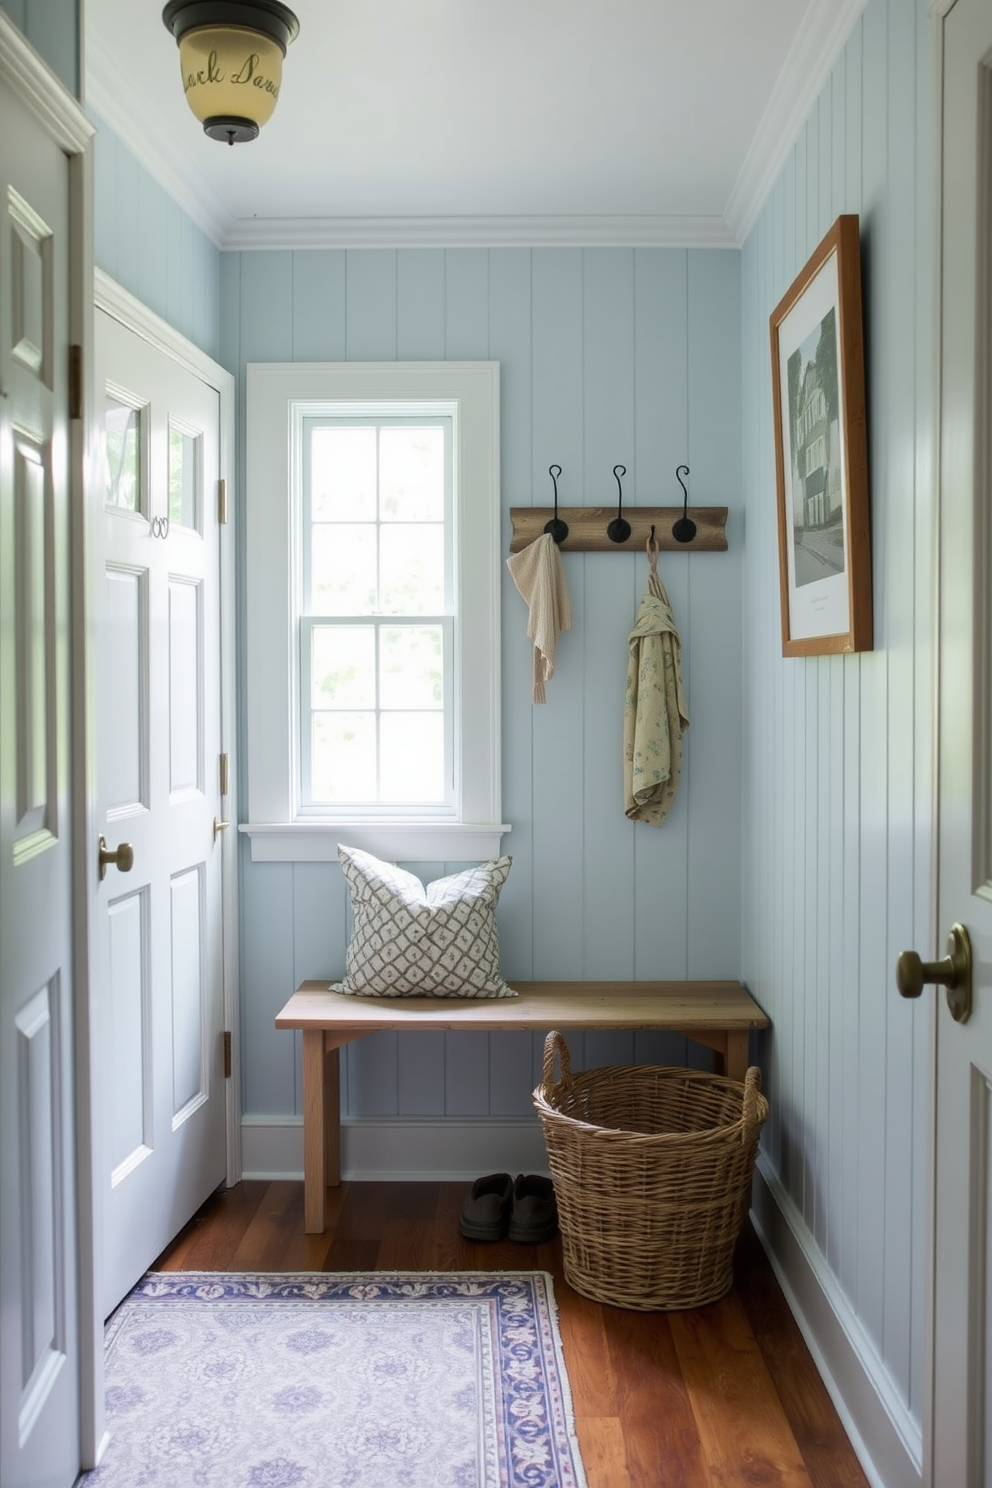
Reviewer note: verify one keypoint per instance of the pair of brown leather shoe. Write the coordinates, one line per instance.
(498, 1205)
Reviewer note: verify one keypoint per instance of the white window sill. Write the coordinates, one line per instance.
(395, 842)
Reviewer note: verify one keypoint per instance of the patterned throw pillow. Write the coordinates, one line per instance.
(408, 941)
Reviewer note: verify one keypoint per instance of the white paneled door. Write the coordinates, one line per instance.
(158, 916)
(39, 1379)
(962, 1406)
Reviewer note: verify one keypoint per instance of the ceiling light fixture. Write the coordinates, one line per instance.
(231, 54)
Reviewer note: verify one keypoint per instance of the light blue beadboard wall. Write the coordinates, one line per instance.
(144, 240)
(607, 356)
(52, 27)
(837, 751)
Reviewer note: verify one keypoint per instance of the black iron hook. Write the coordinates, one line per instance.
(557, 529)
(619, 529)
(684, 530)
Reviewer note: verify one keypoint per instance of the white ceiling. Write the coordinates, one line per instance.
(488, 121)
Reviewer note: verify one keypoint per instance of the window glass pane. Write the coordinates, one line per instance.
(412, 569)
(411, 475)
(122, 435)
(343, 569)
(342, 763)
(184, 452)
(411, 761)
(411, 660)
(343, 666)
(342, 475)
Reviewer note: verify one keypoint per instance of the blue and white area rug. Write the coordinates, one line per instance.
(440, 1380)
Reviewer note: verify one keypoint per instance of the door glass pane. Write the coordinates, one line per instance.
(412, 757)
(343, 666)
(184, 451)
(342, 475)
(411, 660)
(122, 449)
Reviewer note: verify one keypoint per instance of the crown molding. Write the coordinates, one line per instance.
(478, 232)
(939, 8)
(36, 85)
(819, 43)
(119, 103)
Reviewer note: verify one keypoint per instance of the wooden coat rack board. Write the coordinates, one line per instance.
(587, 528)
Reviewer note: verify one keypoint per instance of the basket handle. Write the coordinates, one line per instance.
(555, 1044)
(752, 1090)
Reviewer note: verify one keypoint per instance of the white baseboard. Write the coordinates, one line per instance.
(886, 1437)
(395, 1150)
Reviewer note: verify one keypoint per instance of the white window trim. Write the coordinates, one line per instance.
(273, 389)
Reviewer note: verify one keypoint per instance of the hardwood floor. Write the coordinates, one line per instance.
(725, 1395)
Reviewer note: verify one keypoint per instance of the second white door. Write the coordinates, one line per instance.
(159, 909)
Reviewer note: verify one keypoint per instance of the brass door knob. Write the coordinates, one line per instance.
(220, 826)
(122, 857)
(953, 973)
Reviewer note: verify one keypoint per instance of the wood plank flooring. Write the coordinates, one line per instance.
(725, 1395)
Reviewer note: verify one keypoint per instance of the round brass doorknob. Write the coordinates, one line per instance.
(953, 973)
(122, 857)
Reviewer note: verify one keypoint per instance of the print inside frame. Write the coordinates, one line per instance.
(821, 452)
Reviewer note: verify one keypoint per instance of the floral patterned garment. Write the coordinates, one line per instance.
(655, 716)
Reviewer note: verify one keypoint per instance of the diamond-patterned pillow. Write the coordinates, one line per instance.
(408, 941)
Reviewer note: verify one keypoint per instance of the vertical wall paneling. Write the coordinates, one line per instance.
(711, 637)
(900, 333)
(559, 837)
(661, 442)
(608, 439)
(371, 305)
(466, 302)
(420, 305)
(318, 306)
(153, 209)
(837, 751)
(602, 354)
(151, 247)
(505, 316)
(874, 677)
(267, 972)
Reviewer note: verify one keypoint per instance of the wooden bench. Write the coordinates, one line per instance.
(717, 1014)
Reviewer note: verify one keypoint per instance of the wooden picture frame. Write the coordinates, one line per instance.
(821, 452)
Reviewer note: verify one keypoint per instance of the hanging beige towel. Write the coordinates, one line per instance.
(654, 718)
(538, 574)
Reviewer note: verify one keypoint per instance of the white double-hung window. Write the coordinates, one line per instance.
(372, 618)
(377, 615)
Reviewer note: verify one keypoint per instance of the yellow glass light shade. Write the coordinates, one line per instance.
(230, 55)
(231, 73)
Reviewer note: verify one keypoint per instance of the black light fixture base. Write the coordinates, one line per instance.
(268, 16)
(231, 131)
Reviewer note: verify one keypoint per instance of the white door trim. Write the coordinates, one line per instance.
(110, 297)
(938, 10)
(62, 117)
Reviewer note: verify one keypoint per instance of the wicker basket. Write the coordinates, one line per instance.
(652, 1170)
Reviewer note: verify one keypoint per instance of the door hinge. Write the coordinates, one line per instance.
(225, 785)
(75, 382)
(222, 502)
(227, 1055)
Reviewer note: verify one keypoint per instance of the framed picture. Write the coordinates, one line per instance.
(821, 452)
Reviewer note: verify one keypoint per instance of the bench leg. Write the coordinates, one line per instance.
(332, 1117)
(736, 1056)
(321, 1126)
